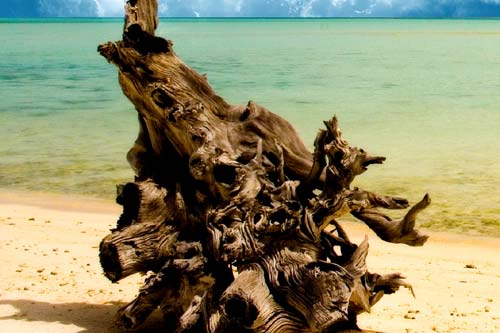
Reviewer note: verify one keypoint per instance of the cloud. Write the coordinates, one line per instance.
(331, 8)
(110, 7)
(68, 8)
(455, 8)
(260, 8)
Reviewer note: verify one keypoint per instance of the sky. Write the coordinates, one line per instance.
(259, 8)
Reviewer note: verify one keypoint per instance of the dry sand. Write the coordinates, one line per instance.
(51, 281)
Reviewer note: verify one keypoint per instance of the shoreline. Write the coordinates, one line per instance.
(51, 280)
(90, 204)
(60, 202)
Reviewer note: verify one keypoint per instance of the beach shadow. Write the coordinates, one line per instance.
(91, 318)
(95, 318)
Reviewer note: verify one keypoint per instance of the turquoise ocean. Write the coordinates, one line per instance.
(423, 93)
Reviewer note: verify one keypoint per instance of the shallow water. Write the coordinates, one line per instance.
(423, 93)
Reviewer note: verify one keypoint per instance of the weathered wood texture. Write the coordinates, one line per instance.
(230, 215)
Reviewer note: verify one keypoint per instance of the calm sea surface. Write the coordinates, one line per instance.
(423, 93)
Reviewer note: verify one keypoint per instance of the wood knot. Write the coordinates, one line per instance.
(162, 98)
(144, 42)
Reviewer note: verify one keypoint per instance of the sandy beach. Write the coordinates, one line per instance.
(51, 281)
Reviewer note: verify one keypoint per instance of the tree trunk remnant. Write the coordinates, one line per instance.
(230, 215)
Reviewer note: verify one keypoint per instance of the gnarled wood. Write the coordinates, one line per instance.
(221, 187)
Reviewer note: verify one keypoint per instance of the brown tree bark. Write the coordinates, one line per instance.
(231, 216)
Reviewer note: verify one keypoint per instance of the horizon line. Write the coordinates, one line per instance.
(267, 17)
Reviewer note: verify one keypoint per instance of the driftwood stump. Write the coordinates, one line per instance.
(231, 216)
